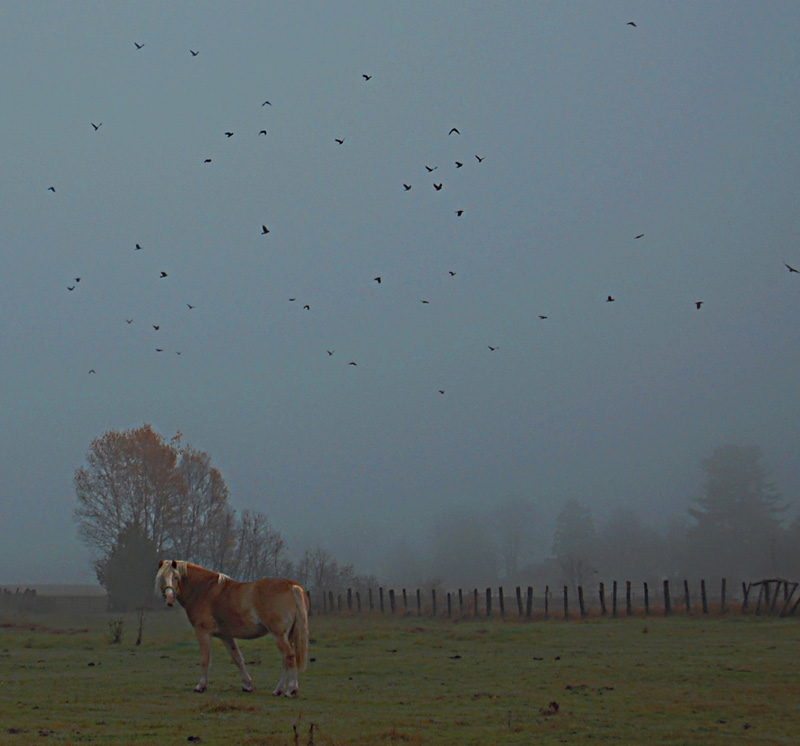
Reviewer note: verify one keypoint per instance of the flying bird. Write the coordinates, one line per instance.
(77, 279)
(641, 235)
(790, 268)
(128, 321)
(163, 274)
(263, 132)
(137, 45)
(159, 349)
(459, 213)
(156, 327)
(405, 186)
(70, 288)
(53, 189)
(307, 307)
(453, 130)
(266, 103)
(96, 126)
(459, 164)
(351, 363)
(425, 301)
(698, 304)
(431, 168)
(330, 352)
(193, 53)
(264, 230)
(441, 391)
(542, 317)
(492, 348)
(91, 371)
(480, 160)
(189, 306)
(367, 77)
(229, 134)
(207, 160)
(138, 247)
(631, 23)
(451, 273)
(609, 299)
(377, 279)
(437, 187)
(340, 142)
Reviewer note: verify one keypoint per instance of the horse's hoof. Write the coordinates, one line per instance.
(247, 688)
(292, 693)
(277, 693)
(199, 689)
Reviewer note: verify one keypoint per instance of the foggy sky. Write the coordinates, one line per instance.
(683, 128)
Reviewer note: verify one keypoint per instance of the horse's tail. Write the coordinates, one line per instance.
(300, 629)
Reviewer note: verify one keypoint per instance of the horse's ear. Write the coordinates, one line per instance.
(175, 564)
(160, 562)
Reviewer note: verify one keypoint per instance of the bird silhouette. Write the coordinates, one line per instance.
(266, 103)
(459, 164)
(405, 186)
(459, 213)
(128, 321)
(492, 348)
(156, 327)
(609, 299)
(480, 160)
(163, 274)
(91, 371)
(790, 268)
(542, 317)
(70, 288)
(264, 230)
(451, 273)
(351, 363)
(377, 279)
(441, 391)
(207, 160)
(159, 349)
(189, 306)
(453, 130)
(431, 168)
(96, 126)
(53, 189)
(138, 247)
(229, 134)
(307, 307)
(641, 235)
(437, 187)
(193, 53)
(631, 23)
(698, 304)
(137, 45)
(330, 352)
(77, 279)
(263, 132)
(426, 302)
(367, 77)
(339, 141)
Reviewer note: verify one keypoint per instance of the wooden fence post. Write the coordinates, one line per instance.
(703, 596)
(380, 596)
(519, 601)
(350, 600)
(722, 608)
(602, 599)
(339, 602)
(547, 602)
(667, 603)
(628, 607)
(580, 602)
(686, 596)
(646, 600)
(358, 601)
(488, 602)
(529, 602)
(566, 603)
(460, 603)
(405, 602)
(371, 602)
(475, 602)
(433, 600)
(392, 606)
(614, 599)
(449, 606)
(745, 594)
(419, 602)
(502, 602)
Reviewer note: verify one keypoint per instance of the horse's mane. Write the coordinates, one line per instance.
(183, 571)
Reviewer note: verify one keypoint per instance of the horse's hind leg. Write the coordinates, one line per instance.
(238, 659)
(287, 685)
(204, 638)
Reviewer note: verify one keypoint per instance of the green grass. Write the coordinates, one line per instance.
(409, 681)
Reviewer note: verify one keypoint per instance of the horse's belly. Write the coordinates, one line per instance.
(244, 629)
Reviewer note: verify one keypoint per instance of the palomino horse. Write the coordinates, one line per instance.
(220, 607)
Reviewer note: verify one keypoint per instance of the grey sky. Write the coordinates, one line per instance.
(683, 128)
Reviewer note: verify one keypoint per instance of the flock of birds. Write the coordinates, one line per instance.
(437, 184)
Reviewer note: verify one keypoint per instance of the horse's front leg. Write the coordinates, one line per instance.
(238, 659)
(204, 638)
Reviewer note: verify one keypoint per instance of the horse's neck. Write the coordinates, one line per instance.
(197, 580)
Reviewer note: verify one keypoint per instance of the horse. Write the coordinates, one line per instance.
(218, 606)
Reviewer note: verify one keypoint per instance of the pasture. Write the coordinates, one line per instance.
(407, 680)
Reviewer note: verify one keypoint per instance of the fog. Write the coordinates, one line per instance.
(654, 164)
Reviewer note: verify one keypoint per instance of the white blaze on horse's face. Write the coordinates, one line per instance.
(170, 582)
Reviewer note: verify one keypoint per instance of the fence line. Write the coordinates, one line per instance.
(775, 596)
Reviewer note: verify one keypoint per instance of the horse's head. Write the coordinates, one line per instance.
(168, 580)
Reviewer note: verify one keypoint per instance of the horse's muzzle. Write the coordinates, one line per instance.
(169, 596)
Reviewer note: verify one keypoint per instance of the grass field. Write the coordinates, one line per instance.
(408, 680)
